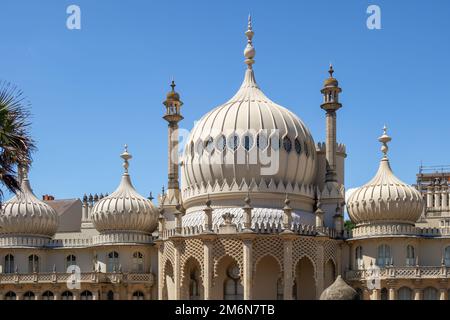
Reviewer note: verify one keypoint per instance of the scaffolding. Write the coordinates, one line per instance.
(432, 174)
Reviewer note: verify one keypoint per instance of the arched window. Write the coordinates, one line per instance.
(138, 295)
(359, 257)
(9, 263)
(410, 256)
(113, 261)
(287, 144)
(280, 289)
(110, 295)
(261, 141)
(384, 294)
(209, 145)
(71, 260)
(404, 293)
(86, 295)
(233, 289)
(384, 255)
(275, 142)
(298, 146)
(48, 295)
(28, 296)
(10, 296)
(248, 141)
(430, 293)
(138, 262)
(67, 295)
(194, 291)
(447, 256)
(33, 263)
(233, 141)
(221, 143)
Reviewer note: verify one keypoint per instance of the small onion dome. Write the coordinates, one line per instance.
(330, 82)
(339, 290)
(125, 210)
(385, 199)
(26, 215)
(173, 95)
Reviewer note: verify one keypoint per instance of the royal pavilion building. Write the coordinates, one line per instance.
(253, 209)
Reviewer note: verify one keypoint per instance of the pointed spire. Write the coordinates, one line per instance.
(384, 139)
(125, 156)
(249, 51)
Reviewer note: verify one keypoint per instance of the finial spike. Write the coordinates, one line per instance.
(331, 70)
(125, 156)
(249, 51)
(384, 139)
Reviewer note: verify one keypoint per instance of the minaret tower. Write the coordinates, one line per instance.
(331, 104)
(172, 116)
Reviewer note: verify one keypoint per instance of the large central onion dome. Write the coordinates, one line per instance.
(25, 215)
(125, 210)
(385, 199)
(250, 142)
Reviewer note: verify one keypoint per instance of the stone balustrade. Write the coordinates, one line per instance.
(399, 273)
(85, 277)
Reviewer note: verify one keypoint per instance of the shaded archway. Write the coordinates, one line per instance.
(329, 273)
(227, 281)
(192, 286)
(168, 282)
(266, 279)
(305, 282)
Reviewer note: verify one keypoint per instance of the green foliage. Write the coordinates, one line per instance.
(16, 144)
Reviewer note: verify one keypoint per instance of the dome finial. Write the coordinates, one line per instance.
(249, 51)
(331, 70)
(172, 84)
(384, 139)
(125, 156)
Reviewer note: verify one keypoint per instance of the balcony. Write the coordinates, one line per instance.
(86, 278)
(400, 273)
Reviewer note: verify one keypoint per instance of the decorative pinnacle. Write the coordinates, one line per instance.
(384, 139)
(331, 70)
(249, 51)
(173, 85)
(125, 156)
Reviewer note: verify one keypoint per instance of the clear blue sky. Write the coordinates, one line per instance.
(95, 89)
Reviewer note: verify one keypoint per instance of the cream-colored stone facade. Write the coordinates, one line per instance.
(230, 227)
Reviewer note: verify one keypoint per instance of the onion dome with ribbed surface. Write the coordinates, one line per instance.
(125, 210)
(339, 290)
(26, 215)
(385, 199)
(225, 146)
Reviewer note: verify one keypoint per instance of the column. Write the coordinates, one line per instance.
(443, 294)
(117, 294)
(56, 295)
(444, 196)
(177, 281)
(330, 150)
(376, 294)
(430, 196)
(437, 196)
(247, 272)
(319, 271)
(160, 270)
(417, 294)
(392, 294)
(208, 244)
(288, 281)
(148, 295)
(2, 297)
(95, 294)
